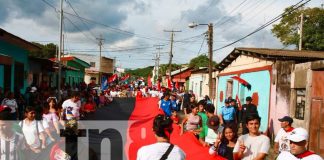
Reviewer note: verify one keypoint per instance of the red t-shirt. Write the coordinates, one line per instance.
(89, 107)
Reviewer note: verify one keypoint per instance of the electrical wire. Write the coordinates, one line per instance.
(266, 24)
(80, 18)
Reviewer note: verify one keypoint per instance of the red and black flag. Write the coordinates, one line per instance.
(243, 82)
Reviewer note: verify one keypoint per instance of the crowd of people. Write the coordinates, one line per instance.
(233, 134)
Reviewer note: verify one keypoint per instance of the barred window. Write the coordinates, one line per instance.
(229, 88)
(300, 104)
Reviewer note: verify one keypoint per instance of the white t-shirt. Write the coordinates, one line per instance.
(154, 93)
(212, 135)
(254, 145)
(113, 93)
(30, 133)
(156, 150)
(288, 156)
(49, 119)
(72, 109)
(281, 138)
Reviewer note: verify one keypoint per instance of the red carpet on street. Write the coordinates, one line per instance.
(141, 134)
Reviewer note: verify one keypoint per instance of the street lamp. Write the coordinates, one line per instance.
(210, 53)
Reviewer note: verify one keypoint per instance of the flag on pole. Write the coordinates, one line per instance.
(169, 84)
(158, 85)
(104, 83)
(149, 82)
(125, 77)
(177, 85)
(112, 78)
(239, 105)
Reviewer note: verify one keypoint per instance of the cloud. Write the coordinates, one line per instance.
(110, 12)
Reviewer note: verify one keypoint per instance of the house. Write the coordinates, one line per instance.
(181, 76)
(307, 101)
(14, 65)
(265, 75)
(41, 72)
(198, 82)
(106, 67)
(75, 72)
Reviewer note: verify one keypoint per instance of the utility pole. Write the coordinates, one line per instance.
(171, 50)
(159, 47)
(210, 53)
(59, 52)
(210, 56)
(100, 43)
(301, 31)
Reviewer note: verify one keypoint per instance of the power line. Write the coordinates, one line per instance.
(107, 26)
(79, 29)
(201, 46)
(267, 24)
(80, 18)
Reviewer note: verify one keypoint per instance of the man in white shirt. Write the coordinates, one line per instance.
(254, 145)
(281, 141)
(71, 107)
(298, 143)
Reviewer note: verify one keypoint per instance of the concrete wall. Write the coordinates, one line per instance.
(195, 81)
(260, 92)
(18, 55)
(244, 62)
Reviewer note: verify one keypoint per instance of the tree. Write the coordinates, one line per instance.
(313, 28)
(200, 61)
(140, 72)
(165, 67)
(47, 51)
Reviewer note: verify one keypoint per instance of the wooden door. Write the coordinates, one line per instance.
(316, 129)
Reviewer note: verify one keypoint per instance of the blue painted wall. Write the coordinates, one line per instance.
(19, 55)
(260, 82)
(1, 75)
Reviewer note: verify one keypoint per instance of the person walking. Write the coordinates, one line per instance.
(247, 109)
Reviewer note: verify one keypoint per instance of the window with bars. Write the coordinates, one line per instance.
(229, 88)
(300, 104)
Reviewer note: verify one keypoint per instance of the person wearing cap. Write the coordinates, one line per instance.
(281, 141)
(254, 145)
(228, 114)
(298, 147)
(247, 109)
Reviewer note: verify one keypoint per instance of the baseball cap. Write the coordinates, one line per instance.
(248, 98)
(287, 119)
(298, 135)
(33, 89)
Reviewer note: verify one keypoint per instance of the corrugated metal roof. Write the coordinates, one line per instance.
(285, 53)
(271, 55)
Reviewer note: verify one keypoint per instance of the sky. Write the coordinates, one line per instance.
(133, 29)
